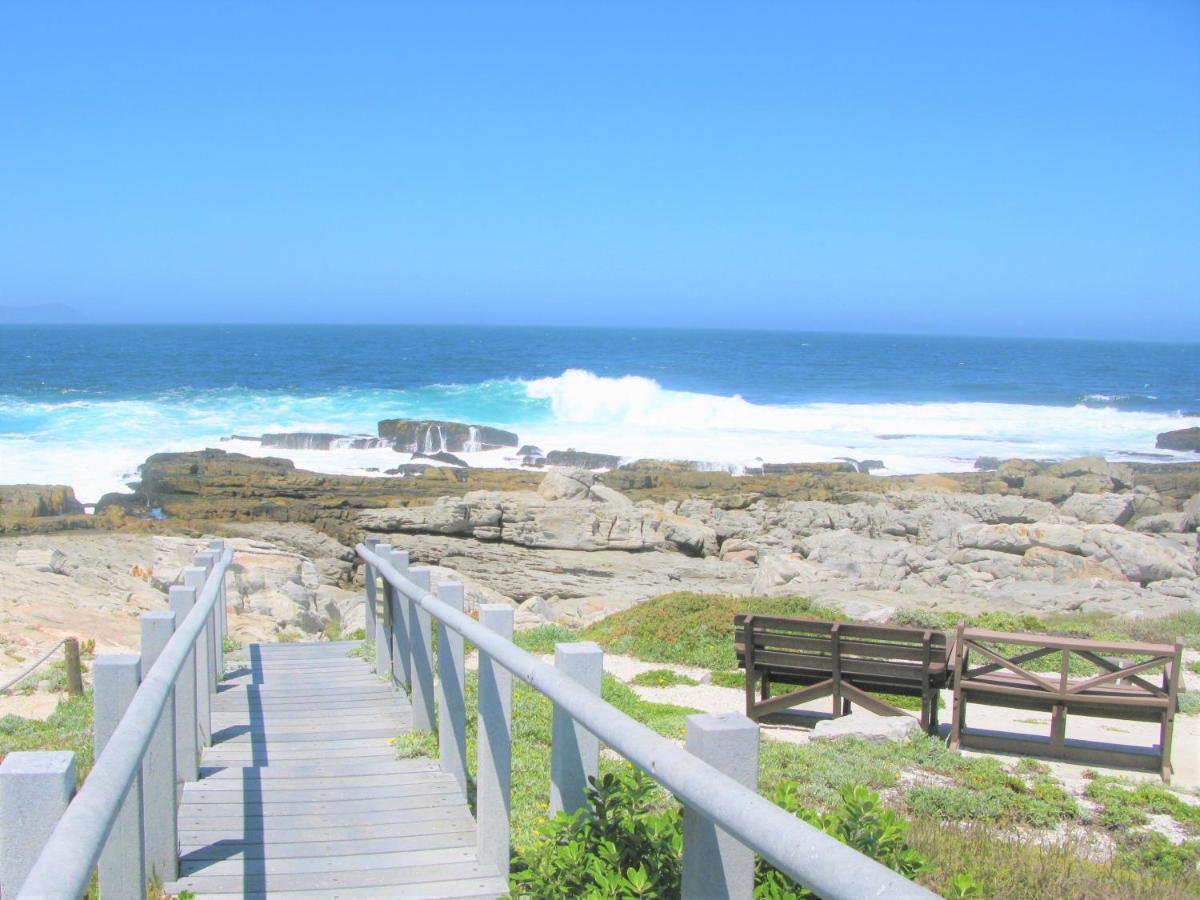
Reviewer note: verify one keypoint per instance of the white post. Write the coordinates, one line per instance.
(493, 791)
(715, 864)
(122, 861)
(35, 789)
(401, 613)
(158, 765)
(383, 626)
(218, 547)
(420, 642)
(575, 751)
(452, 705)
(187, 750)
(193, 577)
(209, 559)
(371, 583)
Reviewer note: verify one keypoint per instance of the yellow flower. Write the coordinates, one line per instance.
(391, 740)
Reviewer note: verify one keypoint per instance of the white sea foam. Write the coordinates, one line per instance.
(96, 445)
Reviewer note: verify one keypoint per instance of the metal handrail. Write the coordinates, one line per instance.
(65, 865)
(820, 862)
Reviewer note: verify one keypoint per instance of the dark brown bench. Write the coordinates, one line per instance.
(845, 661)
(992, 668)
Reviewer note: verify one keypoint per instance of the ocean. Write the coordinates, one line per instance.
(85, 404)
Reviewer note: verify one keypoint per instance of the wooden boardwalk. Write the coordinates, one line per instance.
(301, 794)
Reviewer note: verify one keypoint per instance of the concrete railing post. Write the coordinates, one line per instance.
(575, 751)
(715, 864)
(209, 559)
(371, 584)
(35, 789)
(218, 547)
(193, 577)
(383, 626)
(401, 613)
(159, 776)
(122, 861)
(187, 747)
(452, 704)
(420, 643)
(493, 792)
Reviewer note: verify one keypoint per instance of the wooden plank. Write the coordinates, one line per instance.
(347, 780)
(1065, 643)
(267, 798)
(300, 840)
(359, 863)
(462, 889)
(304, 770)
(438, 798)
(428, 839)
(323, 881)
(297, 828)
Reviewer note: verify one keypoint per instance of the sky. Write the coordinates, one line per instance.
(1006, 167)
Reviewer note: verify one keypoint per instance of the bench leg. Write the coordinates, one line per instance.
(1058, 728)
(958, 720)
(846, 707)
(766, 686)
(1166, 734)
(931, 724)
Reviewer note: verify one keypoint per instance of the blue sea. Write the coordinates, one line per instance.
(85, 404)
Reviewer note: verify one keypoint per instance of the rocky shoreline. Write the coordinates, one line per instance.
(570, 545)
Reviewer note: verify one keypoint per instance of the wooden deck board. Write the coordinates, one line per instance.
(301, 794)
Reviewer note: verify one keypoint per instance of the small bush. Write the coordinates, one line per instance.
(543, 638)
(1154, 854)
(230, 644)
(691, 629)
(729, 679)
(416, 744)
(358, 634)
(663, 678)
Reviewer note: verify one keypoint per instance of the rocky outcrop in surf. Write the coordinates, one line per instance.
(1181, 439)
(432, 436)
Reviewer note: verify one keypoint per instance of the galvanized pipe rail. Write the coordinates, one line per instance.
(825, 865)
(185, 668)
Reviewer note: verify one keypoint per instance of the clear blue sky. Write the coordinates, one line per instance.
(985, 167)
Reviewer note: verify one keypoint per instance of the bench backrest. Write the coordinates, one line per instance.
(980, 653)
(888, 654)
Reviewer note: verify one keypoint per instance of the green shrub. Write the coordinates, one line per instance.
(543, 638)
(862, 822)
(663, 678)
(230, 644)
(1152, 853)
(619, 846)
(416, 744)
(691, 629)
(735, 680)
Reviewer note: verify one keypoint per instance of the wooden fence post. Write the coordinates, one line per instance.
(575, 751)
(74, 669)
(452, 706)
(716, 864)
(383, 626)
(420, 643)
(158, 765)
(122, 861)
(35, 789)
(493, 791)
(187, 748)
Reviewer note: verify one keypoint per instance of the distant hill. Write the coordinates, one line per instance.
(37, 314)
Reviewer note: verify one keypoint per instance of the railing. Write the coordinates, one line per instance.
(153, 717)
(726, 821)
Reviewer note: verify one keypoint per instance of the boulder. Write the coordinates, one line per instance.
(1100, 509)
(866, 727)
(1192, 509)
(1047, 487)
(1181, 439)
(1164, 523)
(1057, 565)
(433, 436)
(31, 501)
(1013, 472)
(1121, 476)
(48, 559)
(443, 457)
(572, 484)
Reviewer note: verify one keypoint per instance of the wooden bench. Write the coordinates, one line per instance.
(848, 662)
(991, 667)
